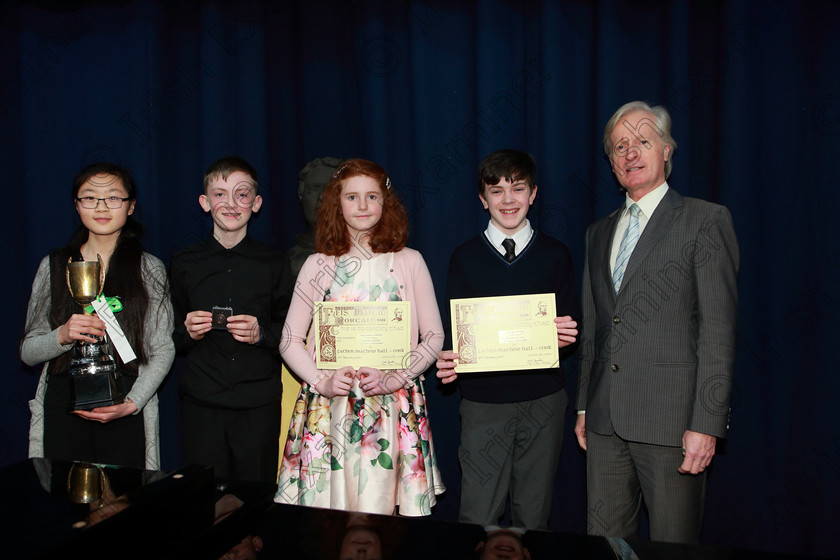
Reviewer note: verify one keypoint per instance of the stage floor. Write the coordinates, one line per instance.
(57, 509)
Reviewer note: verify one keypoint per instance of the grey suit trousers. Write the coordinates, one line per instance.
(510, 449)
(621, 474)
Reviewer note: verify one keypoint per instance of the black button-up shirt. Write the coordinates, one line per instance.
(252, 279)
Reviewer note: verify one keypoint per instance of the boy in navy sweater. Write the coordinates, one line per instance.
(511, 422)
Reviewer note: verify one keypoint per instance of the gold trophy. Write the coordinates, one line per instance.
(93, 371)
(85, 483)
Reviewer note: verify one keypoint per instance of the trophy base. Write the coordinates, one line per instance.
(91, 392)
(94, 390)
(93, 375)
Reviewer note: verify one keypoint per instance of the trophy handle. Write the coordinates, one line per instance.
(67, 273)
(101, 275)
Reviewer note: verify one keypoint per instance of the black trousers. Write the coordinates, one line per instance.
(238, 444)
(68, 437)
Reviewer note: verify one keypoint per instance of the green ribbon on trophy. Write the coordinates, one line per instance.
(113, 302)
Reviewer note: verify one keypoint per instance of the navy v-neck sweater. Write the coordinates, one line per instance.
(476, 269)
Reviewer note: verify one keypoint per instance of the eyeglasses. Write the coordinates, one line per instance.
(90, 202)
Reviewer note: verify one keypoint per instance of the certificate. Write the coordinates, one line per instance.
(505, 333)
(362, 333)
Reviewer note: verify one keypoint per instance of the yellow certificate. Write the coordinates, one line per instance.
(505, 333)
(362, 333)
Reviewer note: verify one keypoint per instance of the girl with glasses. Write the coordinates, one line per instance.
(124, 434)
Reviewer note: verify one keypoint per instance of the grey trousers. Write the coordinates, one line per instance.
(510, 449)
(620, 474)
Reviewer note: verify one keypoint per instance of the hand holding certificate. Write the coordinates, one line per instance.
(505, 333)
(357, 334)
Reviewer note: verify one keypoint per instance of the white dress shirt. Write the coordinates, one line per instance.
(647, 204)
(520, 238)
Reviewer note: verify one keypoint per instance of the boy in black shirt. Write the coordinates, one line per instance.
(511, 422)
(230, 294)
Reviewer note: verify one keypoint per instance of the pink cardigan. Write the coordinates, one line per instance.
(316, 276)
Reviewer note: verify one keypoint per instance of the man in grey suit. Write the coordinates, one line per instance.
(658, 341)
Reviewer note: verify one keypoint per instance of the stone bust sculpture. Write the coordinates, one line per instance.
(311, 182)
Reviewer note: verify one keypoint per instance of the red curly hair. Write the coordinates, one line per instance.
(331, 234)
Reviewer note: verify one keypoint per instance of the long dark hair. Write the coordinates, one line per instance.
(124, 277)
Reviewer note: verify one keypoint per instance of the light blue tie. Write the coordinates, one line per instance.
(625, 249)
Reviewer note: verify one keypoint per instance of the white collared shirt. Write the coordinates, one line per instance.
(647, 204)
(520, 238)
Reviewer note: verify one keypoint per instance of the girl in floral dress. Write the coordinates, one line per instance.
(359, 439)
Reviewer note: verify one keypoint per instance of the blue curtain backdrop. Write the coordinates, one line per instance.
(427, 89)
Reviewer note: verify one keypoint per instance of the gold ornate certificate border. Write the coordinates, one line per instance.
(505, 333)
(362, 333)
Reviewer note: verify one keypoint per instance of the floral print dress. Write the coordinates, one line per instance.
(359, 453)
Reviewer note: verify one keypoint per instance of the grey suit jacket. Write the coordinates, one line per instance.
(657, 358)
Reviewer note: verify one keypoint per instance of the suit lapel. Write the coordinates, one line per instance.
(657, 227)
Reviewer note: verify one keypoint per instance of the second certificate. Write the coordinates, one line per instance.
(505, 333)
(362, 333)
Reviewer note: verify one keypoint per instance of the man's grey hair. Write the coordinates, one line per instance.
(661, 126)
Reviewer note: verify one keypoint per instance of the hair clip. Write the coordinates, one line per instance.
(388, 183)
(338, 172)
